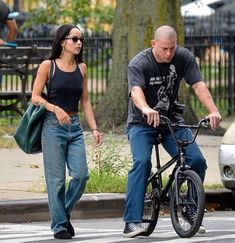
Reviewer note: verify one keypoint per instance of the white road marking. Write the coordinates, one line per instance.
(164, 233)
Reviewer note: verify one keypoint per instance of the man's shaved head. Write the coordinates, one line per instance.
(164, 43)
(165, 31)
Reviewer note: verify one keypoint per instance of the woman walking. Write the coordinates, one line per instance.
(62, 135)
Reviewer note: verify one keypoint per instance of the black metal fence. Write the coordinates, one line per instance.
(97, 55)
(216, 58)
(210, 39)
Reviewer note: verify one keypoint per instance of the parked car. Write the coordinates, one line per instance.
(227, 159)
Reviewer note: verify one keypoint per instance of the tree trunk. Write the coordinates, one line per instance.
(135, 22)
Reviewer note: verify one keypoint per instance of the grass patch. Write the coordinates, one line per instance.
(214, 186)
(111, 158)
(6, 136)
(109, 165)
(103, 183)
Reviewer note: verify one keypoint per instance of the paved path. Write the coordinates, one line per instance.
(22, 176)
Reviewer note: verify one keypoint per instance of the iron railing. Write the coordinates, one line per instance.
(214, 49)
(212, 40)
(97, 55)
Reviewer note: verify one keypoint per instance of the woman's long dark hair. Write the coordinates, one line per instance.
(60, 35)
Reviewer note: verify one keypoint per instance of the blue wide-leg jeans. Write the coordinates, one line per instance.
(63, 145)
(141, 139)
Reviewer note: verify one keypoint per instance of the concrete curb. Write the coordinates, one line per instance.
(90, 206)
(94, 206)
(219, 200)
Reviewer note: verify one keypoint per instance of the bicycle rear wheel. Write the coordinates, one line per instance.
(187, 215)
(151, 207)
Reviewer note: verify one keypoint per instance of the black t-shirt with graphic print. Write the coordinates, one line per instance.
(160, 81)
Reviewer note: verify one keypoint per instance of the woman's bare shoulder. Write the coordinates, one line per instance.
(45, 64)
(82, 65)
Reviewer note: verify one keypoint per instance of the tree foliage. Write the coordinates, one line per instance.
(58, 12)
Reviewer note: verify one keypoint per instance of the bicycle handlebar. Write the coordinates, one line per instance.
(166, 120)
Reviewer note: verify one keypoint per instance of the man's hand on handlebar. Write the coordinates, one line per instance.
(215, 119)
(152, 116)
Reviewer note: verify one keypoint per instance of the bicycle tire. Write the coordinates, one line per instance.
(187, 216)
(151, 208)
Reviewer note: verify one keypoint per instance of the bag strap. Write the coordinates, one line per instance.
(52, 71)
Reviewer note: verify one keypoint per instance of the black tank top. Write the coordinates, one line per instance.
(66, 89)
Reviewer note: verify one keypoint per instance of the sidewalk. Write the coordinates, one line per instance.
(22, 176)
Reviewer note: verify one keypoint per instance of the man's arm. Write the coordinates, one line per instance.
(139, 100)
(206, 99)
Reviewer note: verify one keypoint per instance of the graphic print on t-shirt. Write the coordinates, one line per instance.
(166, 88)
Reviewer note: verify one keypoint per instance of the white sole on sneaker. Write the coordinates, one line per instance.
(202, 230)
(134, 233)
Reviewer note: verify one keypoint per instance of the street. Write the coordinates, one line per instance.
(220, 228)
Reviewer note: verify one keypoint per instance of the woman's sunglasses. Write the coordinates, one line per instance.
(75, 39)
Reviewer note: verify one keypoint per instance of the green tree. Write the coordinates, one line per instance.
(70, 11)
(134, 24)
(56, 12)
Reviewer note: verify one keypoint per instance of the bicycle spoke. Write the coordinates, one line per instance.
(151, 208)
(187, 215)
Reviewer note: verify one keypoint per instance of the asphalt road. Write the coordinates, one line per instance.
(220, 229)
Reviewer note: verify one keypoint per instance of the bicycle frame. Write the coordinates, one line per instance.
(183, 190)
(158, 175)
(178, 160)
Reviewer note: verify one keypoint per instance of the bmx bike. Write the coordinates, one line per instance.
(183, 191)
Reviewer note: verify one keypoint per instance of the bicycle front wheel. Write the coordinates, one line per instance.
(151, 207)
(187, 204)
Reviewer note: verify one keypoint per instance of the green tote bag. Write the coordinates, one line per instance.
(29, 130)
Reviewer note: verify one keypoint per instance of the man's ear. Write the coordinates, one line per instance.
(153, 43)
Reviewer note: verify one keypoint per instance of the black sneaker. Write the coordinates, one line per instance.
(133, 229)
(70, 229)
(189, 213)
(63, 234)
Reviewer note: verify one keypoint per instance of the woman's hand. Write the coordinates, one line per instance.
(98, 137)
(62, 116)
